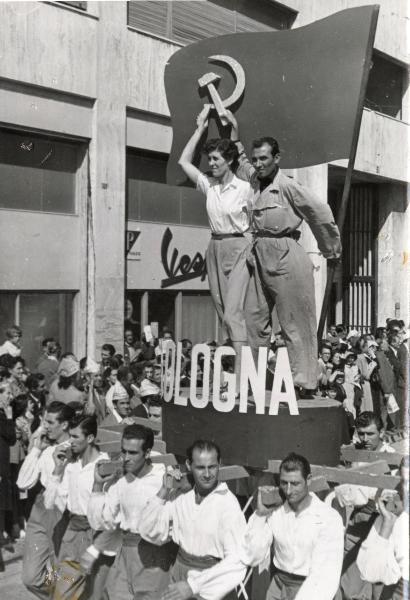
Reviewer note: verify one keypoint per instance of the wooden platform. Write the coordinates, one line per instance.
(251, 440)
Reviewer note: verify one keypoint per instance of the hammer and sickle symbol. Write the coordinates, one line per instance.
(209, 79)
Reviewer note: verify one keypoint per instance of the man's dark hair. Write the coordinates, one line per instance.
(270, 141)
(379, 333)
(62, 411)
(16, 359)
(295, 462)
(225, 147)
(46, 341)
(88, 425)
(340, 328)
(393, 324)
(139, 432)
(19, 405)
(203, 446)
(33, 380)
(367, 418)
(109, 347)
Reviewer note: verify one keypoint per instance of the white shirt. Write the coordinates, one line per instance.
(215, 527)
(309, 543)
(386, 560)
(73, 490)
(38, 465)
(123, 502)
(9, 348)
(349, 494)
(226, 207)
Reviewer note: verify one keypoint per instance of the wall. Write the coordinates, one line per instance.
(40, 251)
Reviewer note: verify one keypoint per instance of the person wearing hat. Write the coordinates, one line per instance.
(121, 407)
(64, 388)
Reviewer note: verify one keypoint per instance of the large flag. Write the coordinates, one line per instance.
(304, 86)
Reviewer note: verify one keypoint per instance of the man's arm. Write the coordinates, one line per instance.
(318, 216)
(56, 492)
(245, 169)
(378, 558)
(103, 507)
(326, 564)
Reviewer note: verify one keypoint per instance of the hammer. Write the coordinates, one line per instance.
(208, 81)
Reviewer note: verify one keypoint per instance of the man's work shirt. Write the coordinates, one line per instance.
(226, 206)
(38, 465)
(281, 206)
(309, 544)
(215, 527)
(122, 504)
(73, 490)
(386, 560)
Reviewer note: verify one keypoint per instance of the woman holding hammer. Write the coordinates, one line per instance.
(226, 205)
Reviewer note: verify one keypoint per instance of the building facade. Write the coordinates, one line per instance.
(90, 232)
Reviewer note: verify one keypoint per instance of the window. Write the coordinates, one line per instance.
(40, 315)
(149, 198)
(38, 173)
(384, 91)
(189, 21)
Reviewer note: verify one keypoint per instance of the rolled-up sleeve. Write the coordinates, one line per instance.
(30, 470)
(379, 558)
(103, 509)
(202, 184)
(326, 564)
(258, 540)
(319, 218)
(56, 492)
(155, 521)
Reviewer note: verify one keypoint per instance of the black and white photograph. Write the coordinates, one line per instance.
(204, 299)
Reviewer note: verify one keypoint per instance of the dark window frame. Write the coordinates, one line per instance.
(65, 144)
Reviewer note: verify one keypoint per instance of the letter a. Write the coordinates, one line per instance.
(283, 374)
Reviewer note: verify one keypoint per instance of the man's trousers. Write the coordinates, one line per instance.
(282, 278)
(44, 531)
(71, 582)
(141, 570)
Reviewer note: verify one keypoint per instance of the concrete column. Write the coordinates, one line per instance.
(393, 262)
(107, 174)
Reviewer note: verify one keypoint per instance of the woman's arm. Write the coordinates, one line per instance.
(188, 152)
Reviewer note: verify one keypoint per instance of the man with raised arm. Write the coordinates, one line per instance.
(41, 545)
(307, 538)
(282, 273)
(206, 523)
(69, 488)
(141, 569)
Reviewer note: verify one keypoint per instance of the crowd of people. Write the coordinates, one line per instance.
(91, 532)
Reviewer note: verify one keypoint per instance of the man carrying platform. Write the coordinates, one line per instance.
(360, 502)
(282, 273)
(307, 536)
(70, 488)
(207, 524)
(141, 570)
(45, 527)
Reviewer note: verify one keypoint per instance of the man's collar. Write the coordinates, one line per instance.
(272, 182)
(314, 508)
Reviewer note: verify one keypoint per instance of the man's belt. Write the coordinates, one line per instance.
(130, 539)
(196, 562)
(288, 578)
(295, 235)
(225, 236)
(78, 523)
